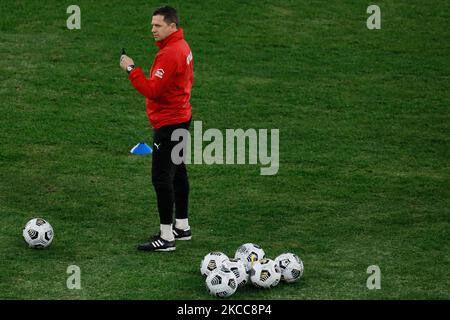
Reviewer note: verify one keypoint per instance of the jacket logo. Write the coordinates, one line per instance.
(159, 73)
(189, 58)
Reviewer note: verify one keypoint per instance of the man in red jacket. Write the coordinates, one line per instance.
(167, 91)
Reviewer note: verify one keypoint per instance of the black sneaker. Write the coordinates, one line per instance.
(157, 244)
(180, 234)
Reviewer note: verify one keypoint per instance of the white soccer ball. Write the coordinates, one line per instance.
(212, 261)
(38, 233)
(249, 253)
(265, 274)
(237, 267)
(291, 267)
(221, 282)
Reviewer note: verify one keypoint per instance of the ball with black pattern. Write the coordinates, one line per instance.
(291, 267)
(221, 283)
(38, 233)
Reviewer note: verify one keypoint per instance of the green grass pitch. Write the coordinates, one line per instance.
(364, 175)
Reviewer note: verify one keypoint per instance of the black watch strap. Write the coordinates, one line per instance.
(130, 68)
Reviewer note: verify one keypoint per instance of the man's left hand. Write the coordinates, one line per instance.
(125, 61)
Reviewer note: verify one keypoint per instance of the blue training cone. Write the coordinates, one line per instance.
(141, 148)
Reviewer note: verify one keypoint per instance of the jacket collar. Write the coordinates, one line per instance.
(177, 35)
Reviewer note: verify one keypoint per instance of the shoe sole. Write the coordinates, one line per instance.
(184, 238)
(166, 249)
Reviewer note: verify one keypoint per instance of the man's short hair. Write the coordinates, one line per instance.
(169, 13)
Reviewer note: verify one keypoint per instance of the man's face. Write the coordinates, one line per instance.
(160, 29)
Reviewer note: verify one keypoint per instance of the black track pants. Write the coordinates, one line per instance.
(169, 180)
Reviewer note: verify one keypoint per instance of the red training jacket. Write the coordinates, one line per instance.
(168, 89)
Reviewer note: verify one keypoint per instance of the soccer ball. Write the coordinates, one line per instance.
(265, 274)
(291, 267)
(237, 267)
(38, 233)
(212, 261)
(248, 253)
(221, 282)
